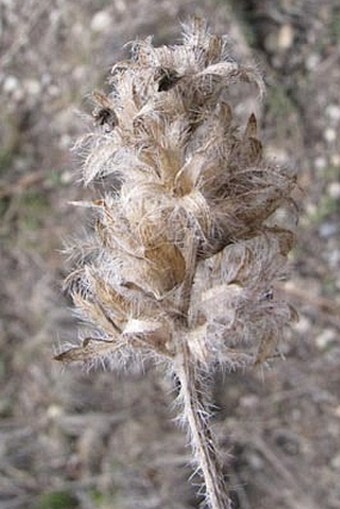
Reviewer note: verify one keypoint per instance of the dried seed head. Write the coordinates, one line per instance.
(185, 241)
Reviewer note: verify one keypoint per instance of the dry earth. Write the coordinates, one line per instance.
(101, 440)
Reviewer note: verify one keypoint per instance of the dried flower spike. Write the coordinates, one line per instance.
(187, 246)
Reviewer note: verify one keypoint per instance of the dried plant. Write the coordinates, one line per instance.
(187, 245)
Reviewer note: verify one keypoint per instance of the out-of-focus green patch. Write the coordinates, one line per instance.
(6, 408)
(332, 173)
(282, 114)
(329, 286)
(2, 367)
(104, 501)
(335, 27)
(34, 205)
(57, 500)
(246, 19)
(278, 102)
(325, 209)
(6, 158)
(98, 498)
(55, 179)
(10, 143)
(3, 206)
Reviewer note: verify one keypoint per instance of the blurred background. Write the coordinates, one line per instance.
(70, 439)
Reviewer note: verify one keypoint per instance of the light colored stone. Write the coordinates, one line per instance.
(327, 230)
(79, 73)
(285, 37)
(251, 401)
(334, 190)
(333, 258)
(32, 87)
(329, 135)
(53, 91)
(312, 61)
(54, 411)
(66, 177)
(335, 462)
(120, 5)
(101, 22)
(311, 209)
(255, 461)
(333, 112)
(320, 163)
(78, 30)
(303, 325)
(335, 160)
(65, 142)
(11, 84)
(325, 339)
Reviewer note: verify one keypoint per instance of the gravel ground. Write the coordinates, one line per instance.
(97, 440)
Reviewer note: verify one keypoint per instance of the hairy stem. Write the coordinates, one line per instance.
(203, 442)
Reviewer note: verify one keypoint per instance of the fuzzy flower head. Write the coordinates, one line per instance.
(187, 240)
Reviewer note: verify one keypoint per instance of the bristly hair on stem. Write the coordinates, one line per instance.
(190, 237)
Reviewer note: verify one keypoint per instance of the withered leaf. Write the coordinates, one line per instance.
(266, 348)
(251, 129)
(90, 348)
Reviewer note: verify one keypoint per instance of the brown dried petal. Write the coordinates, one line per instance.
(161, 270)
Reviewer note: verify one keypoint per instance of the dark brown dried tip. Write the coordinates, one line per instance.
(104, 114)
(167, 79)
(87, 351)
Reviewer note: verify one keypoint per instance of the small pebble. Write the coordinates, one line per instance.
(325, 339)
(303, 325)
(329, 135)
(32, 87)
(334, 190)
(296, 414)
(333, 112)
(333, 259)
(78, 30)
(101, 22)
(11, 84)
(320, 163)
(53, 91)
(327, 230)
(120, 5)
(312, 61)
(311, 209)
(66, 177)
(251, 401)
(335, 160)
(79, 72)
(335, 462)
(255, 461)
(285, 37)
(54, 411)
(65, 142)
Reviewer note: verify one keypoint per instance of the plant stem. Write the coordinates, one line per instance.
(203, 442)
